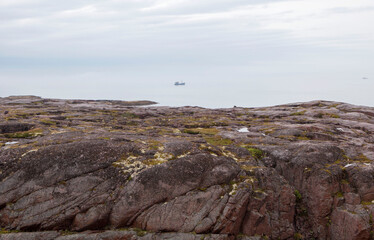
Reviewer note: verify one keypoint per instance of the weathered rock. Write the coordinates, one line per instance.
(12, 127)
(167, 181)
(113, 235)
(350, 222)
(302, 170)
(270, 212)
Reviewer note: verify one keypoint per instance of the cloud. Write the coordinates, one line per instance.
(162, 28)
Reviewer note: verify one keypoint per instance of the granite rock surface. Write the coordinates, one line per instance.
(80, 169)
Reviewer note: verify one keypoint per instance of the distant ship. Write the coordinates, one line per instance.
(179, 83)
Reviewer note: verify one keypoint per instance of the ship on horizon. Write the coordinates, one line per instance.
(179, 83)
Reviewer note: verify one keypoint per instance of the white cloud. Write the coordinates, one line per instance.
(163, 4)
(89, 28)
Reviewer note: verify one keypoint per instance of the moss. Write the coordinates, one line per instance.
(212, 150)
(298, 236)
(366, 203)
(344, 181)
(152, 162)
(286, 137)
(298, 113)
(328, 221)
(328, 171)
(337, 162)
(298, 196)
(303, 138)
(5, 231)
(333, 105)
(140, 232)
(62, 182)
(203, 123)
(154, 144)
(104, 138)
(218, 141)
(26, 134)
(47, 122)
(129, 115)
(362, 158)
(240, 236)
(255, 152)
(334, 115)
(339, 194)
(67, 232)
(207, 131)
(191, 131)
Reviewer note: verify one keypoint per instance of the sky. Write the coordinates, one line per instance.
(229, 52)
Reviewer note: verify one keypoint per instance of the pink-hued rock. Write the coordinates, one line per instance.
(271, 212)
(167, 181)
(350, 222)
(302, 170)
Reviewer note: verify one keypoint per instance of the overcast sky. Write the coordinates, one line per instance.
(274, 45)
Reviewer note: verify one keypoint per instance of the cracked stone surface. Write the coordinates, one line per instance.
(85, 169)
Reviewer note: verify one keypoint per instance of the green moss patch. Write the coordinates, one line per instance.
(298, 196)
(298, 113)
(207, 131)
(26, 134)
(218, 141)
(255, 152)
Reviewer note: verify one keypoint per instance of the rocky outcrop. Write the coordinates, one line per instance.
(76, 169)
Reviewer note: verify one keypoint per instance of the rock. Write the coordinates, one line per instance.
(350, 222)
(12, 127)
(30, 236)
(186, 213)
(167, 181)
(108, 235)
(101, 169)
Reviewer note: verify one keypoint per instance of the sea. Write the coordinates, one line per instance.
(208, 89)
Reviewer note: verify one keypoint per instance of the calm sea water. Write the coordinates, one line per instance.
(210, 89)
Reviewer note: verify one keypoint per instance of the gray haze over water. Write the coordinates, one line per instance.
(229, 52)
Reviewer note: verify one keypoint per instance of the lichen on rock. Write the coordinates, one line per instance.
(302, 170)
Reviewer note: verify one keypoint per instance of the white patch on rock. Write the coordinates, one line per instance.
(183, 155)
(32, 150)
(340, 129)
(163, 157)
(243, 130)
(11, 143)
(234, 189)
(349, 165)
